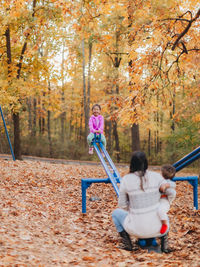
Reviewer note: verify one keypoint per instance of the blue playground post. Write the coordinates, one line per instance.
(193, 180)
(13, 156)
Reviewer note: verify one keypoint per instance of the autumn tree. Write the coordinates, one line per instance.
(23, 25)
(138, 59)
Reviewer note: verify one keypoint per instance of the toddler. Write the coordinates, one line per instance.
(168, 172)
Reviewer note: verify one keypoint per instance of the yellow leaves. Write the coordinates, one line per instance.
(163, 7)
(196, 118)
(77, 27)
(107, 37)
(145, 41)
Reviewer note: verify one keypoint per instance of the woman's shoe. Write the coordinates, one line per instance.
(164, 244)
(126, 241)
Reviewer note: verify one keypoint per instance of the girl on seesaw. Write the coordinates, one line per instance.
(96, 125)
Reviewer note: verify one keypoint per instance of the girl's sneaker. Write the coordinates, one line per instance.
(91, 150)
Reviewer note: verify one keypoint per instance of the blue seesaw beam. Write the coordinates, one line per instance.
(4, 123)
(115, 171)
(193, 180)
(106, 168)
(188, 159)
(109, 167)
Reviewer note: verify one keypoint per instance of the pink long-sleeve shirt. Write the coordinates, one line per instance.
(96, 123)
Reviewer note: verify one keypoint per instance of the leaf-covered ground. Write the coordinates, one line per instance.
(42, 223)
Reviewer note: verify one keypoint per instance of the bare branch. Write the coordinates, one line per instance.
(185, 30)
(176, 19)
(108, 54)
(184, 47)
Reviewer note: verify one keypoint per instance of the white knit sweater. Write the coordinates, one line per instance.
(142, 220)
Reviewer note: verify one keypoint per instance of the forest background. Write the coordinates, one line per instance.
(140, 60)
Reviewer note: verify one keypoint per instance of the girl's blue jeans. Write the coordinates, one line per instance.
(118, 217)
(91, 136)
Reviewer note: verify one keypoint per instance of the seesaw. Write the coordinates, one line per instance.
(109, 167)
(114, 178)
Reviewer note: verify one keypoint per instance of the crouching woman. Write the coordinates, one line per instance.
(138, 203)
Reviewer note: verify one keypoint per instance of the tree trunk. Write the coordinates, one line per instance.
(17, 141)
(86, 95)
(71, 127)
(15, 115)
(43, 125)
(62, 120)
(84, 90)
(116, 63)
(76, 132)
(108, 132)
(173, 110)
(135, 127)
(29, 104)
(155, 143)
(88, 89)
(115, 133)
(81, 128)
(49, 133)
(62, 117)
(49, 127)
(135, 137)
(8, 50)
(34, 117)
(149, 143)
(40, 116)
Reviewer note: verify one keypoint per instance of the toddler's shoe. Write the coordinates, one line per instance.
(91, 150)
(163, 228)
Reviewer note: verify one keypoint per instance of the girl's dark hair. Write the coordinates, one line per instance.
(139, 163)
(96, 105)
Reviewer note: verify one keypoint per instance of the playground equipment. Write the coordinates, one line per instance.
(111, 171)
(4, 123)
(114, 178)
(193, 180)
(188, 159)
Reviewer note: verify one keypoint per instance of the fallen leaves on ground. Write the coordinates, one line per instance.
(42, 223)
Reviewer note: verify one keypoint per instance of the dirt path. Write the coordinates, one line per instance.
(69, 162)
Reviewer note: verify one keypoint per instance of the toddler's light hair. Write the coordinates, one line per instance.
(168, 171)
